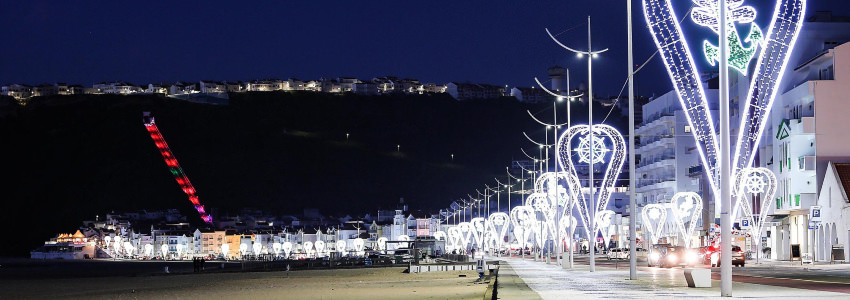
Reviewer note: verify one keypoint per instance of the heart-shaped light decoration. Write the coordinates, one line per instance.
(308, 248)
(752, 182)
(454, 240)
(382, 243)
(654, 215)
(257, 248)
(553, 185)
(608, 148)
(603, 222)
(499, 223)
(544, 213)
(287, 248)
(522, 219)
(149, 249)
(243, 248)
(320, 248)
(225, 250)
(440, 235)
(478, 228)
(404, 237)
(567, 226)
(686, 207)
(340, 247)
(276, 248)
(358, 246)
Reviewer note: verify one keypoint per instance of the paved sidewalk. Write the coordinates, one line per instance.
(550, 281)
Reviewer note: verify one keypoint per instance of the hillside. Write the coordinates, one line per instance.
(71, 157)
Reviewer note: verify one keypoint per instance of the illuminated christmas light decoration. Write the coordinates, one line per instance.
(707, 14)
(164, 251)
(770, 67)
(522, 219)
(654, 216)
(340, 247)
(466, 230)
(320, 248)
(382, 243)
(149, 249)
(614, 158)
(243, 248)
(542, 204)
(751, 182)
(287, 248)
(499, 223)
(403, 237)
(584, 148)
(276, 248)
(440, 235)
(667, 34)
(479, 228)
(567, 226)
(772, 61)
(603, 223)
(358, 246)
(454, 241)
(174, 167)
(550, 184)
(307, 247)
(686, 207)
(225, 250)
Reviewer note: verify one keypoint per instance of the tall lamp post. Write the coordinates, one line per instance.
(592, 211)
(632, 176)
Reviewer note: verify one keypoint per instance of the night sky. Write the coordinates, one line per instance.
(497, 42)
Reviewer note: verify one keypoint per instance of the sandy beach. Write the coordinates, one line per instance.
(370, 283)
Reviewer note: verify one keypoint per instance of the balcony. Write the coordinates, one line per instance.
(806, 163)
(644, 185)
(804, 125)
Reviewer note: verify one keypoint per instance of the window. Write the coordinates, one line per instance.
(687, 128)
(827, 73)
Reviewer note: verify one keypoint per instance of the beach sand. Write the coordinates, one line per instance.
(369, 283)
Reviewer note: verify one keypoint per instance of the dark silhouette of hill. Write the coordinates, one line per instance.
(68, 158)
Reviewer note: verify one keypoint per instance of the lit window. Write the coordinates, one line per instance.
(687, 128)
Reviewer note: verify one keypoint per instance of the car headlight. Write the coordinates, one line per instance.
(654, 256)
(692, 257)
(672, 258)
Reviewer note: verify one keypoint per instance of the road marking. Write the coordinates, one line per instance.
(809, 280)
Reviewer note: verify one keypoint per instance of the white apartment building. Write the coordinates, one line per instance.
(810, 123)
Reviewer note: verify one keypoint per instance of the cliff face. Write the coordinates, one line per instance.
(69, 158)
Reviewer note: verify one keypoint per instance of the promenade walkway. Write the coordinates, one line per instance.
(550, 281)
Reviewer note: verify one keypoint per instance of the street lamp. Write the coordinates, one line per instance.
(592, 54)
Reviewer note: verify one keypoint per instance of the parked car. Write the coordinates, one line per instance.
(618, 253)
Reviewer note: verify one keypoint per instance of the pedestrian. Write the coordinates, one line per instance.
(202, 263)
(195, 265)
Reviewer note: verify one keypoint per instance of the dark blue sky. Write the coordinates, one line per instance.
(497, 42)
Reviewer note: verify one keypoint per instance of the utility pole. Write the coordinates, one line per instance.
(632, 194)
(725, 172)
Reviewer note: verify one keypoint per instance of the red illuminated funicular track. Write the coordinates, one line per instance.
(174, 166)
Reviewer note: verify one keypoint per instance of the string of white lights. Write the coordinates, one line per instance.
(667, 34)
(781, 37)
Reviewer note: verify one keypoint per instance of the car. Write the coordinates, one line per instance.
(618, 253)
(711, 256)
(668, 256)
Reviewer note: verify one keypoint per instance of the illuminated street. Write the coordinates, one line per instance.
(766, 281)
